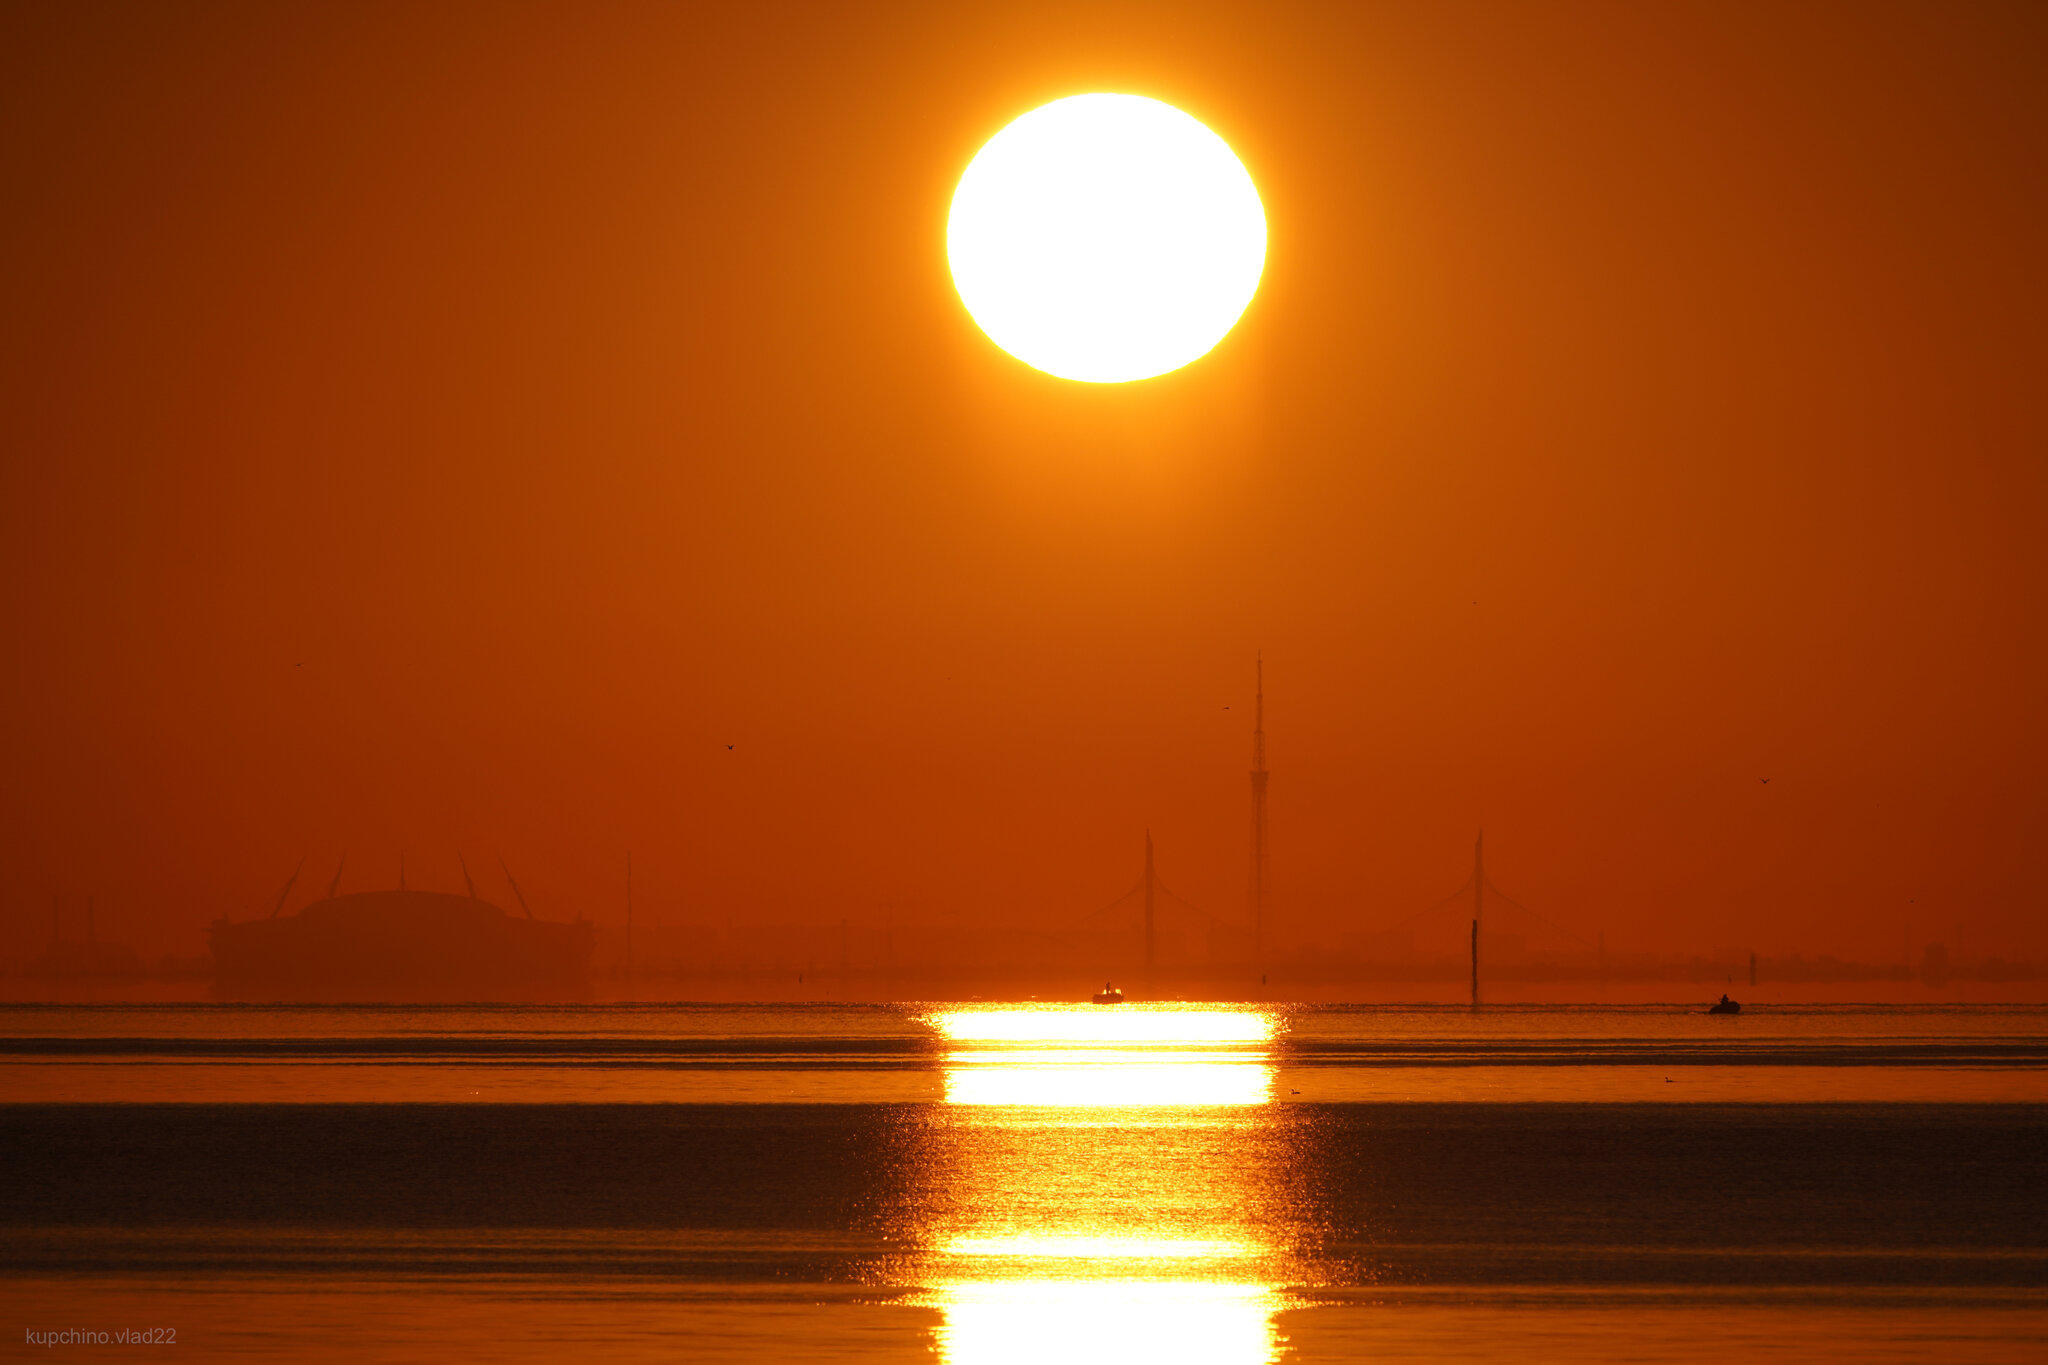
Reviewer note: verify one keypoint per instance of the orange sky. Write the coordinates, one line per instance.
(450, 427)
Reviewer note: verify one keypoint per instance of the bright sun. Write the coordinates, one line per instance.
(1106, 238)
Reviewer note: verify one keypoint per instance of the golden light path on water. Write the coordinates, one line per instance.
(992, 1323)
(1099, 1208)
(1106, 1080)
(1095, 1248)
(1113, 1026)
(1108, 1058)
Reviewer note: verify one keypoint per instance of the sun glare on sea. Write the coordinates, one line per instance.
(1123, 1026)
(1093, 1058)
(1106, 238)
(1192, 1323)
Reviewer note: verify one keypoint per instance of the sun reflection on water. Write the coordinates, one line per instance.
(1099, 1081)
(1105, 1193)
(1107, 1058)
(1122, 1025)
(1190, 1323)
(1096, 1248)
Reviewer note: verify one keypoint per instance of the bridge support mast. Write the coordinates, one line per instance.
(1258, 860)
(1151, 881)
(1478, 908)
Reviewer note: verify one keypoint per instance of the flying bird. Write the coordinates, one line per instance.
(1765, 780)
(728, 746)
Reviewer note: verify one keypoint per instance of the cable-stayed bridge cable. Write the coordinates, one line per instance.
(1496, 891)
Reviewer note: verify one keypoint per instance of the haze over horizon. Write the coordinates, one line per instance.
(501, 432)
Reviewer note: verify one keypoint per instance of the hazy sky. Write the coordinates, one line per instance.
(450, 427)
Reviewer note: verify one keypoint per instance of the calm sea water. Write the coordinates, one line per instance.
(981, 1183)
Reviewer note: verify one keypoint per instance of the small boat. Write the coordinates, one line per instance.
(1109, 995)
(1726, 1006)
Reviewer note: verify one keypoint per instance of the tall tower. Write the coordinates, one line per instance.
(1258, 869)
(1150, 883)
(1478, 908)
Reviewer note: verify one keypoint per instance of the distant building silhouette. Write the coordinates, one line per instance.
(401, 946)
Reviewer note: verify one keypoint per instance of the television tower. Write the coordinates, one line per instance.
(1151, 883)
(1258, 887)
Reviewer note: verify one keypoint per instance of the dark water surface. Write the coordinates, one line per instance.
(984, 1183)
